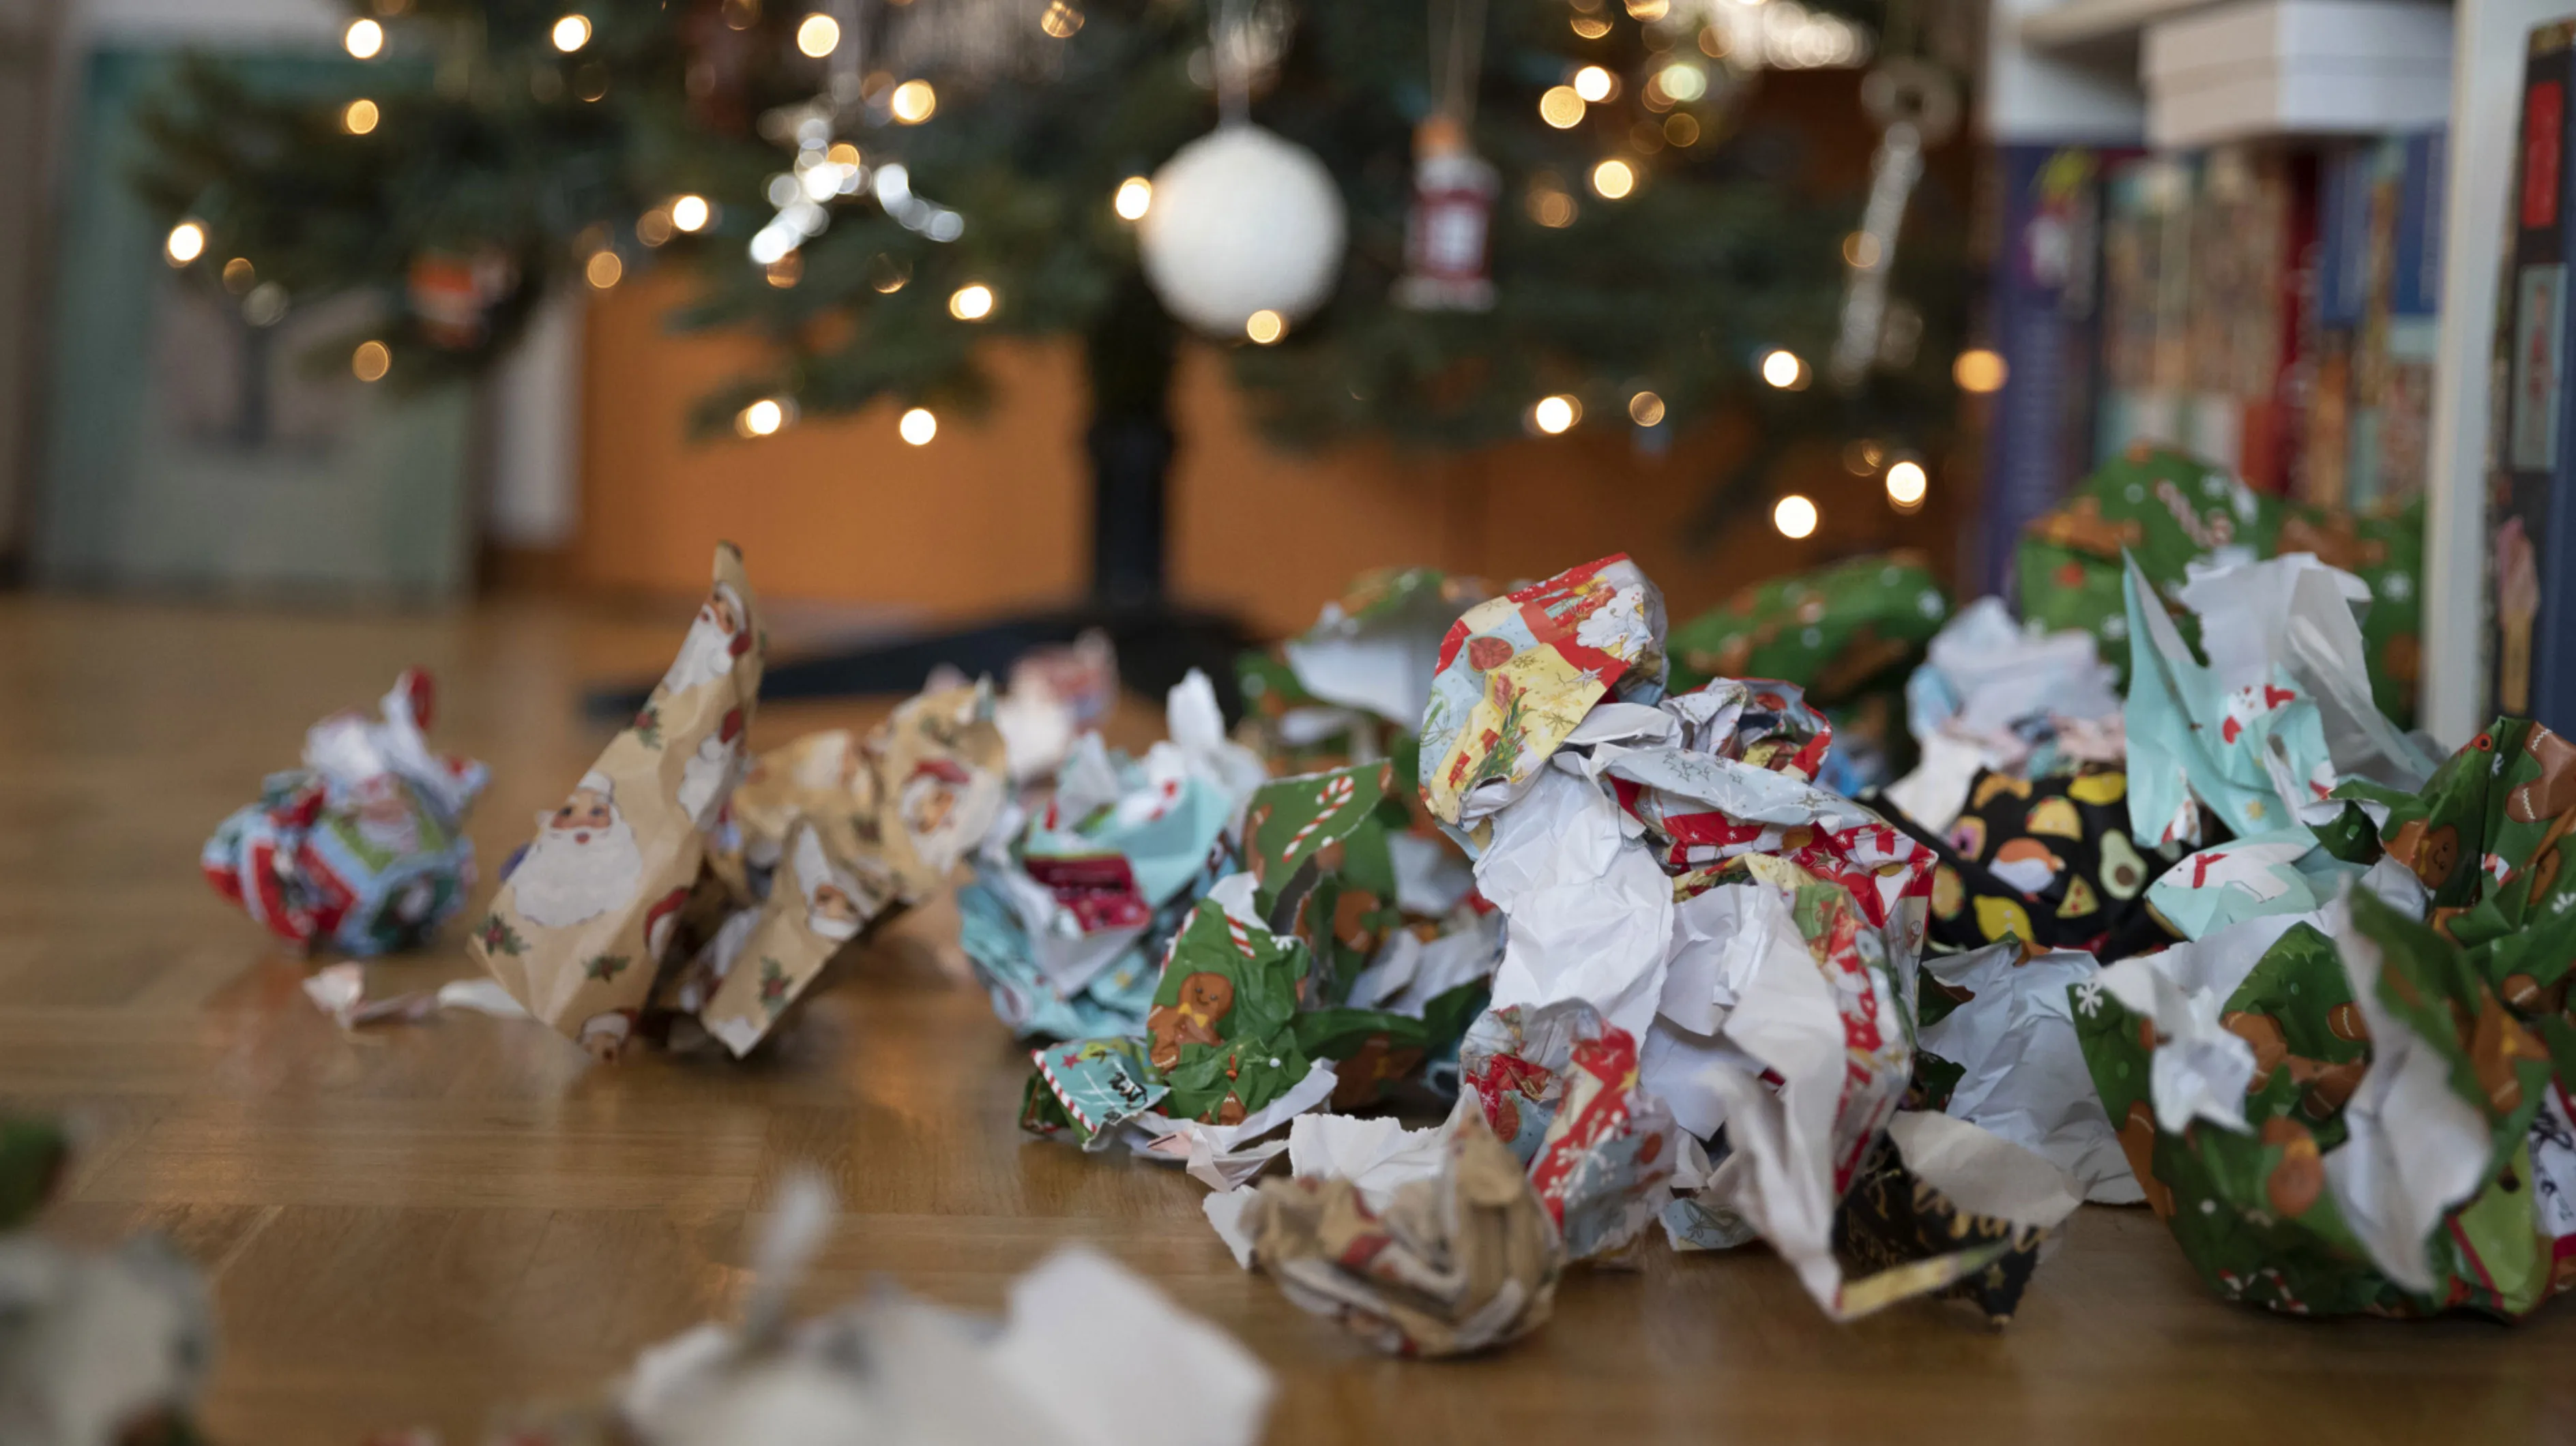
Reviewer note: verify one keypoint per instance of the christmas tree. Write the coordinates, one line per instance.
(880, 188)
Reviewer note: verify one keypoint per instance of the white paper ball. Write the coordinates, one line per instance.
(1242, 221)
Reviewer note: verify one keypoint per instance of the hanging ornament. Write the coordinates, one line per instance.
(1242, 221)
(1453, 188)
(1915, 105)
(452, 296)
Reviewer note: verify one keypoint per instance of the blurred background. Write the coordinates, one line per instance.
(958, 314)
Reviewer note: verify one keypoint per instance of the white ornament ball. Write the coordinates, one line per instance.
(1242, 221)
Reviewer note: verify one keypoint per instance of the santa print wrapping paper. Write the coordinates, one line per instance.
(587, 909)
(1519, 672)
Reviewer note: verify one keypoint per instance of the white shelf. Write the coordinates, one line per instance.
(2098, 24)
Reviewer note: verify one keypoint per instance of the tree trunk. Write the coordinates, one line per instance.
(1128, 356)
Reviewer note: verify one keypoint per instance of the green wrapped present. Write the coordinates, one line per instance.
(1834, 632)
(2372, 1113)
(2169, 510)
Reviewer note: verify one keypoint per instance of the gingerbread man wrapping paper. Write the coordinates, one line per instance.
(2365, 1108)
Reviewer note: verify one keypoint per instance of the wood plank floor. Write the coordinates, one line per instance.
(418, 1225)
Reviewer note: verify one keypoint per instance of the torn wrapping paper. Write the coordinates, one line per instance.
(2370, 1114)
(1318, 849)
(2170, 511)
(1073, 905)
(1082, 1341)
(363, 849)
(650, 898)
(1604, 1168)
(1832, 632)
(1351, 689)
(1375, 1155)
(1941, 1193)
(1519, 673)
(340, 991)
(1671, 871)
(1992, 695)
(97, 1348)
(2048, 861)
(587, 910)
(823, 838)
(1462, 1261)
(1998, 1050)
(1845, 635)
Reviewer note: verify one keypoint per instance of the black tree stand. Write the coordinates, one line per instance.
(1129, 358)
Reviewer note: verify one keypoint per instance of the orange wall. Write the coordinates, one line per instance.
(996, 515)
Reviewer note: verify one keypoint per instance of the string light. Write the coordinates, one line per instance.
(691, 213)
(186, 243)
(1681, 128)
(363, 39)
(1589, 28)
(762, 418)
(818, 35)
(1135, 197)
(1860, 251)
(1862, 457)
(371, 361)
(1613, 179)
(571, 33)
(913, 101)
(1561, 107)
(1979, 370)
(359, 117)
(603, 270)
(654, 226)
(843, 154)
(240, 275)
(1683, 81)
(1646, 409)
(886, 275)
(918, 426)
(1782, 369)
(1060, 20)
(1556, 415)
(266, 304)
(1265, 326)
(1649, 9)
(1794, 515)
(1906, 484)
(1594, 83)
(972, 302)
(784, 272)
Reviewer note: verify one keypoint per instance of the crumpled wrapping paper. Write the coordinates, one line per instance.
(2361, 1110)
(1997, 1048)
(1351, 688)
(1672, 866)
(363, 849)
(668, 889)
(589, 909)
(2048, 861)
(1462, 1261)
(1832, 631)
(97, 1348)
(1943, 1201)
(1073, 904)
(1994, 696)
(2169, 511)
(2277, 719)
(1087, 1352)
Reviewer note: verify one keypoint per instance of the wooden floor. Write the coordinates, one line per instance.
(419, 1225)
